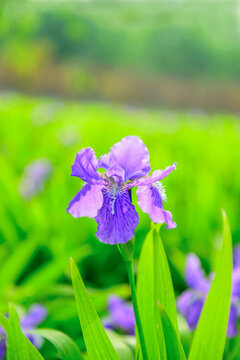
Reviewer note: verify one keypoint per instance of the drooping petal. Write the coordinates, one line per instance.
(132, 155)
(184, 301)
(194, 312)
(87, 202)
(35, 316)
(232, 330)
(157, 175)
(236, 283)
(117, 217)
(236, 256)
(150, 201)
(85, 167)
(194, 274)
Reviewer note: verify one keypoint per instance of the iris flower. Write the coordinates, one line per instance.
(106, 195)
(191, 301)
(34, 317)
(121, 316)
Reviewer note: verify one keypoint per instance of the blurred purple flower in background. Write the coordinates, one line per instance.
(191, 301)
(121, 316)
(107, 196)
(34, 178)
(35, 316)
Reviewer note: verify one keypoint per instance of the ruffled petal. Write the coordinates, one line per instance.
(232, 330)
(132, 155)
(194, 312)
(117, 218)
(85, 167)
(87, 202)
(194, 274)
(184, 301)
(150, 201)
(157, 175)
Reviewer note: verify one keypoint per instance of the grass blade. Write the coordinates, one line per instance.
(96, 339)
(66, 347)
(173, 344)
(209, 338)
(18, 346)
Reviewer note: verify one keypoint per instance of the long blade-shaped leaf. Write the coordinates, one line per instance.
(66, 347)
(146, 298)
(209, 339)
(173, 344)
(96, 340)
(18, 346)
(163, 281)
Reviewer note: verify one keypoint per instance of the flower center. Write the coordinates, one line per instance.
(113, 190)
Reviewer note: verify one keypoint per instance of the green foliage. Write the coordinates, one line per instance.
(18, 346)
(173, 344)
(209, 339)
(97, 342)
(67, 349)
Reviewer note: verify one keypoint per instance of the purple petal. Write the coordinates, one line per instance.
(117, 218)
(2, 349)
(236, 283)
(87, 202)
(117, 172)
(184, 301)
(233, 322)
(36, 315)
(194, 274)
(122, 315)
(132, 155)
(85, 167)
(150, 201)
(157, 175)
(194, 312)
(113, 302)
(236, 256)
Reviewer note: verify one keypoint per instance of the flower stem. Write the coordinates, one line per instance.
(129, 265)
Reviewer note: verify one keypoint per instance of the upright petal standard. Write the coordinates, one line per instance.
(106, 195)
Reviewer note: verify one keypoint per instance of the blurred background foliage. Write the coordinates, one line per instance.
(77, 74)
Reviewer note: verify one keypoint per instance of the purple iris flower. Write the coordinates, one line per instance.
(35, 316)
(121, 316)
(106, 196)
(191, 301)
(34, 178)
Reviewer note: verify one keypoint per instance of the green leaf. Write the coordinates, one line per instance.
(18, 346)
(155, 283)
(124, 350)
(163, 281)
(66, 347)
(145, 297)
(173, 344)
(96, 340)
(210, 335)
